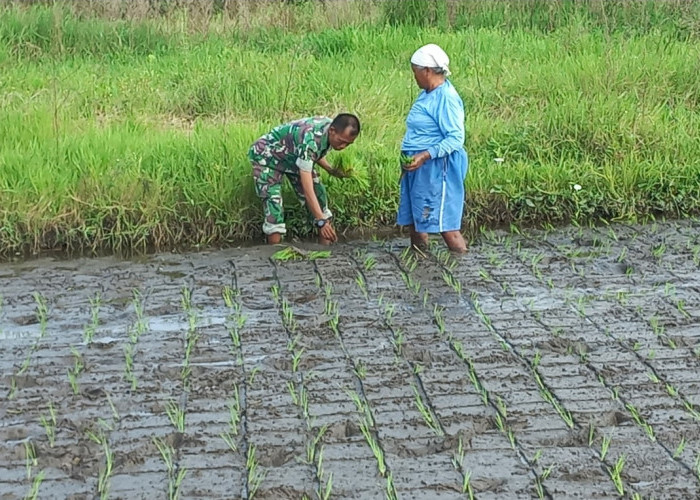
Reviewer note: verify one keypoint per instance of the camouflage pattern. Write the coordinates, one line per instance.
(280, 154)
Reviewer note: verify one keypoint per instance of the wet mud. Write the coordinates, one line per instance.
(544, 364)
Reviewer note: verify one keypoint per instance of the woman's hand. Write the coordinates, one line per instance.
(418, 161)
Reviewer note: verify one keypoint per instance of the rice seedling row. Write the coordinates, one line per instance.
(384, 347)
(589, 351)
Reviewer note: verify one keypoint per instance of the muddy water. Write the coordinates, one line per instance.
(560, 364)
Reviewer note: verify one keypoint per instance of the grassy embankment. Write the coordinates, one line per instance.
(120, 134)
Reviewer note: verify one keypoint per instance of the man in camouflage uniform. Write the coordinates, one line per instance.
(291, 150)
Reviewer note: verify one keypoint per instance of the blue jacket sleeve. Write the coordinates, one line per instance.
(449, 115)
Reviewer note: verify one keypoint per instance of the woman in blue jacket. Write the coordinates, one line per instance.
(432, 184)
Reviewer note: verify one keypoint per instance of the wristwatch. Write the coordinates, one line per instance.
(319, 223)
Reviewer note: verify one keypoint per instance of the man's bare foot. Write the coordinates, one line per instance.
(274, 238)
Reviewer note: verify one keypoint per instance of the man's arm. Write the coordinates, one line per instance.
(321, 162)
(307, 184)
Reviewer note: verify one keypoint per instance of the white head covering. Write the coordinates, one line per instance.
(431, 56)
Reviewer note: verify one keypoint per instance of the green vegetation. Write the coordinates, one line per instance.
(125, 126)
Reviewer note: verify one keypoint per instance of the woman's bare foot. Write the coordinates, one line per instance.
(418, 240)
(455, 241)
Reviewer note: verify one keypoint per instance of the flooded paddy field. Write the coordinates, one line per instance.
(544, 364)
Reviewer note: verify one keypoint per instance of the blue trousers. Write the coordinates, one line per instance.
(432, 197)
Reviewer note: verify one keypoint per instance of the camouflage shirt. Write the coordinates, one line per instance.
(296, 144)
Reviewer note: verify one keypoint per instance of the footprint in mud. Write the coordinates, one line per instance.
(27, 320)
(341, 430)
(561, 345)
(275, 457)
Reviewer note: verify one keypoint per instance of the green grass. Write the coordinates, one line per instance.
(124, 135)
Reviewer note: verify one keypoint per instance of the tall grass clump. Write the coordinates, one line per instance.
(124, 124)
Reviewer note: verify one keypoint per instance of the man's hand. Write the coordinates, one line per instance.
(418, 161)
(342, 174)
(327, 233)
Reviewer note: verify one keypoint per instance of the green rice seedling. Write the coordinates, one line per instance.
(137, 302)
(229, 297)
(427, 413)
(255, 475)
(311, 453)
(691, 410)
(389, 310)
(615, 474)
(304, 403)
(26, 362)
(672, 391)
(500, 424)
(319, 254)
(30, 459)
(325, 492)
(485, 275)
(186, 299)
(360, 369)
(659, 251)
(501, 406)
(374, 446)
(13, 389)
(234, 411)
(680, 305)
(390, 488)
(286, 254)
(36, 485)
(640, 421)
(296, 359)
(49, 424)
(175, 474)
(467, 486)
(536, 457)
(275, 289)
(42, 313)
(105, 472)
(91, 327)
(362, 285)
(548, 471)
(438, 319)
(229, 440)
(369, 263)
(511, 438)
(129, 365)
(680, 448)
(458, 457)
(536, 360)
(539, 489)
(591, 433)
(293, 392)
(96, 437)
(411, 284)
(251, 376)
(398, 340)
(176, 415)
(75, 370)
(605, 446)
(405, 160)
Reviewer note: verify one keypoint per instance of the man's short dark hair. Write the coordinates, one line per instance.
(346, 121)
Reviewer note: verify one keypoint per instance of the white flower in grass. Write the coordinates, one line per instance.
(499, 160)
(577, 187)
